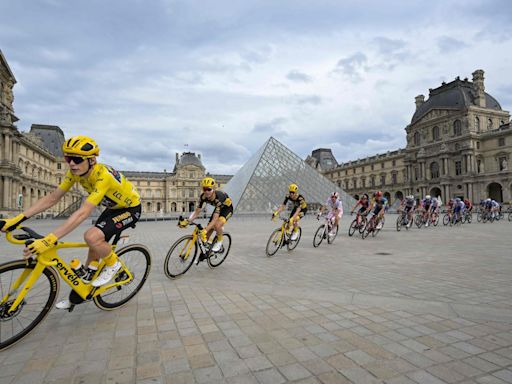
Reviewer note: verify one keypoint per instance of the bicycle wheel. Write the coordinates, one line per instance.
(479, 217)
(215, 259)
(138, 261)
(180, 257)
(436, 221)
(469, 219)
(292, 244)
(418, 221)
(274, 242)
(362, 224)
(353, 227)
(463, 219)
(367, 229)
(319, 235)
(510, 216)
(35, 306)
(399, 223)
(446, 219)
(331, 238)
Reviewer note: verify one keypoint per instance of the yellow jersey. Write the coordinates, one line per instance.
(106, 186)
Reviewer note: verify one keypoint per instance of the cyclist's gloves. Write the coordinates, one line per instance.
(274, 215)
(183, 223)
(42, 245)
(11, 224)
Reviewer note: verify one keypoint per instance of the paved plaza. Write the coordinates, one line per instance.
(423, 306)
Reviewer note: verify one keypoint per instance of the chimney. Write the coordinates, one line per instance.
(199, 155)
(177, 158)
(479, 88)
(420, 99)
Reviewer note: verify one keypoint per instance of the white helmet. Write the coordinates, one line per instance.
(410, 197)
(427, 197)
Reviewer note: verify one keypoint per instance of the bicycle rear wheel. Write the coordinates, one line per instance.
(353, 227)
(138, 261)
(331, 238)
(446, 219)
(180, 257)
(215, 259)
(35, 306)
(362, 224)
(292, 244)
(399, 223)
(274, 242)
(319, 235)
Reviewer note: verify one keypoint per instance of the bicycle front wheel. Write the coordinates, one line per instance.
(399, 223)
(352, 228)
(292, 244)
(180, 257)
(138, 261)
(319, 235)
(35, 306)
(215, 259)
(274, 242)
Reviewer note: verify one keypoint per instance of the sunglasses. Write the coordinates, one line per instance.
(75, 159)
(207, 189)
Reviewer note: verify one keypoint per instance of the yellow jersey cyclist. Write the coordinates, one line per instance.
(378, 205)
(222, 212)
(299, 209)
(105, 186)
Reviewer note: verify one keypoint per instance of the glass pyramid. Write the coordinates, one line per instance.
(261, 184)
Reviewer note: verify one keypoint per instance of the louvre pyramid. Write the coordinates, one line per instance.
(261, 184)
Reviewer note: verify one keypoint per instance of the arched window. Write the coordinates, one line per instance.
(457, 128)
(489, 124)
(477, 124)
(416, 138)
(435, 133)
(434, 170)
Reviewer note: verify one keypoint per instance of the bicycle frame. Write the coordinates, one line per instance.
(50, 259)
(196, 239)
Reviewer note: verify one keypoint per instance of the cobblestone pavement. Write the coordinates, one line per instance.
(423, 306)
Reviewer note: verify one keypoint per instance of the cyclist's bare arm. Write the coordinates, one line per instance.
(44, 203)
(194, 214)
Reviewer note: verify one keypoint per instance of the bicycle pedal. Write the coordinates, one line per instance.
(70, 309)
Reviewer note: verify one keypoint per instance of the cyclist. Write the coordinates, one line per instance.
(426, 203)
(495, 208)
(434, 209)
(378, 206)
(364, 202)
(222, 212)
(335, 208)
(408, 204)
(458, 209)
(488, 206)
(105, 186)
(299, 209)
(468, 204)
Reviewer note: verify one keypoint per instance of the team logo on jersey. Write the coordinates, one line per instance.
(114, 173)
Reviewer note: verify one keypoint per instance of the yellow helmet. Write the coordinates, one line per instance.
(293, 188)
(82, 146)
(208, 182)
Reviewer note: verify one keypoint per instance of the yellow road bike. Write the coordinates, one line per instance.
(29, 288)
(282, 236)
(190, 248)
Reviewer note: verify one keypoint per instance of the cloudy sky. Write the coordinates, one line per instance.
(150, 78)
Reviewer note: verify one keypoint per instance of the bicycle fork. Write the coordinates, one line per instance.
(32, 275)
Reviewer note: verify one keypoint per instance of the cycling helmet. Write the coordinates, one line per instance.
(457, 200)
(207, 182)
(293, 188)
(81, 145)
(410, 197)
(365, 196)
(488, 199)
(335, 194)
(378, 194)
(427, 197)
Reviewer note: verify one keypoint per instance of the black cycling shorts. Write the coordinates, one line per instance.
(301, 213)
(226, 211)
(114, 221)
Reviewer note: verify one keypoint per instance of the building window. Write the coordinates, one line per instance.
(383, 180)
(381, 165)
(416, 138)
(489, 124)
(59, 166)
(416, 173)
(457, 128)
(393, 163)
(477, 124)
(372, 181)
(501, 142)
(363, 182)
(477, 145)
(372, 167)
(458, 167)
(479, 166)
(393, 178)
(434, 170)
(435, 133)
(502, 122)
(148, 183)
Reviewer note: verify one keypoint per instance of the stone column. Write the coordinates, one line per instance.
(5, 202)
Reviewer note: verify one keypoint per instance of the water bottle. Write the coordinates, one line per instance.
(78, 268)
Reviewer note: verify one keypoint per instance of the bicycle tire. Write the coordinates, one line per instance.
(479, 217)
(463, 219)
(130, 255)
(330, 239)
(510, 216)
(446, 219)
(292, 244)
(436, 221)
(352, 228)
(418, 221)
(185, 264)
(215, 259)
(319, 236)
(275, 238)
(362, 225)
(399, 223)
(52, 279)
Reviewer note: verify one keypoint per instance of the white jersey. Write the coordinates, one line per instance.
(333, 205)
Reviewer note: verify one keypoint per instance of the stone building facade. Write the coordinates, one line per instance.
(459, 143)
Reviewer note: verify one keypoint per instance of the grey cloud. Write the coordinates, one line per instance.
(271, 128)
(447, 44)
(353, 66)
(295, 75)
(313, 100)
(387, 46)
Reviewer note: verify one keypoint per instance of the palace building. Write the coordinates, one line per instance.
(459, 143)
